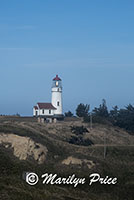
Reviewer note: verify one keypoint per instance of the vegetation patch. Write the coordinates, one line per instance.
(79, 130)
(80, 141)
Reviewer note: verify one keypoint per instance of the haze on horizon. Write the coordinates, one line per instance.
(89, 44)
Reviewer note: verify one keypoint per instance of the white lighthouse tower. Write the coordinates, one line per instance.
(57, 96)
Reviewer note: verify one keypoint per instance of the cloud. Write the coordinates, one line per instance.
(72, 63)
(80, 63)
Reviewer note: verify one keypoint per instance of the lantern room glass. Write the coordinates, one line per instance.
(57, 84)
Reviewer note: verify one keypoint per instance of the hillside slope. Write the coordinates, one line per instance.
(26, 145)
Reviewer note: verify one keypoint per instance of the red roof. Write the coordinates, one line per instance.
(36, 108)
(56, 78)
(46, 106)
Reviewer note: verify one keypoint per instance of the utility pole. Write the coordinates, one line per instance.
(91, 121)
(105, 145)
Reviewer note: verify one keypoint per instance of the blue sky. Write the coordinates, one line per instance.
(89, 43)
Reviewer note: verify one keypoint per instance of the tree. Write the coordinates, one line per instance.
(125, 118)
(101, 114)
(114, 114)
(68, 114)
(102, 111)
(82, 110)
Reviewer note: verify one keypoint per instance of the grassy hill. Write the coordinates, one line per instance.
(23, 142)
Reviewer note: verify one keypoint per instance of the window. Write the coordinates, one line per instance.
(49, 111)
(43, 111)
(58, 103)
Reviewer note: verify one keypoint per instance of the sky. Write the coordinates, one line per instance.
(88, 43)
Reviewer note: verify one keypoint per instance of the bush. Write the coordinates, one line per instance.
(68, 114)
(80, 141)
(79, 130)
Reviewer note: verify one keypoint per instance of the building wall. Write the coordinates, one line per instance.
(34, 112)
(42, 112)
(45, 112)
(57, 97)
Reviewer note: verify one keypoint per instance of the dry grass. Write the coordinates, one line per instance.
(119, 161)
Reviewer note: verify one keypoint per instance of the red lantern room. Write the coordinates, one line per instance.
(57, 82)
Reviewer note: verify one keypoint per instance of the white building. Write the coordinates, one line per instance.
(51, 111)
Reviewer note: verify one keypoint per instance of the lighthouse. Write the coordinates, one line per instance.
(51, 111)
(57, 96)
